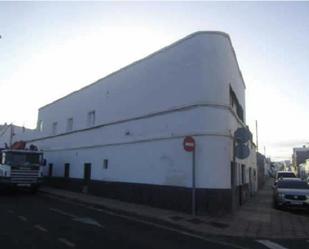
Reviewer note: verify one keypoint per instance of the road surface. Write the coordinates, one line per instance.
(38, 221)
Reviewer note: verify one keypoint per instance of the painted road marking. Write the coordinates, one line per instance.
(56, 210)
(270, 244)
(40, 228)
(23, 218)
(85, 220)
(88, 221)
(66, 242)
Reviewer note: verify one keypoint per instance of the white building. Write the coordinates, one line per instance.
(299, 156)
(122, 136)
(10, 133)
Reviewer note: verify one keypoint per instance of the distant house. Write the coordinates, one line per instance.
(300, 155)
(262, 168)
(10, 133)
(122, 136)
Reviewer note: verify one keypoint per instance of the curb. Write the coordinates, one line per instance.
(135, 215)
(158, 221)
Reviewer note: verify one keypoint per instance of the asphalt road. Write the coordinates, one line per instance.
(38, 221)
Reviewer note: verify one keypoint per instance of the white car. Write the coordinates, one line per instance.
(291, 192)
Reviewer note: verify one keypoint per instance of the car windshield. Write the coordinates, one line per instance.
(293, 184)
(286, 174)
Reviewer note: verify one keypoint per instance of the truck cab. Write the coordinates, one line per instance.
(21, 168)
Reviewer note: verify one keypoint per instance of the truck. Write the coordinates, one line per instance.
(21, 168)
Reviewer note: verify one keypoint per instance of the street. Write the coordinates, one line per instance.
(37, 221)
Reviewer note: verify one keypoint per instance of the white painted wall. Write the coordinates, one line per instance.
(151, 162)
(153, 150)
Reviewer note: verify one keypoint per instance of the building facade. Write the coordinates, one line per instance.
(300, 155)
(122, 136)
(261, 166)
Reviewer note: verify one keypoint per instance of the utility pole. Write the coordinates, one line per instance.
(11, 134)
(257, 136)
(193, 184)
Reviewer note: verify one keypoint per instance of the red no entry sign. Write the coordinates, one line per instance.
(188, 144)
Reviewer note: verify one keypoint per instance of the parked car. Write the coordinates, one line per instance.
(283, 174)
(291, 192)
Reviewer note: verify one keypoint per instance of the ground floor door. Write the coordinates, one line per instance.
(87, 173)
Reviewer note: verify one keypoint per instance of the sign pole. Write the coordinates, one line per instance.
(233, 175)
(189, 146)
(193, 184)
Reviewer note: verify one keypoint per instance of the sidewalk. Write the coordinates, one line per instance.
(256, 218)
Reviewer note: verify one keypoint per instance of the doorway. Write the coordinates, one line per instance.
(87, 173)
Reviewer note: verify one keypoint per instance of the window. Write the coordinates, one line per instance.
(54, 128)
(69, 124)
(293, 184)
(91, 118)
(105, 164)
(235, 105)
(40, 125)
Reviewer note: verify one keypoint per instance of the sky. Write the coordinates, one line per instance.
(49, 49)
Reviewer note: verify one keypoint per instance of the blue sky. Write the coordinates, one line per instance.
(49, 49)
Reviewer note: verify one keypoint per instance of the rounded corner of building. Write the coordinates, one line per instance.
(218, 33)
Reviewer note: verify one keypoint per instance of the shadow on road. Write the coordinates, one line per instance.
(296, 211)
(14, 192)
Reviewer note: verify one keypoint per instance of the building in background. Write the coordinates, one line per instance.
(268, 169)
(304, 169)
(10, 133)
(122, 136)
(261, 168)
(287, 165)
(300, 155)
